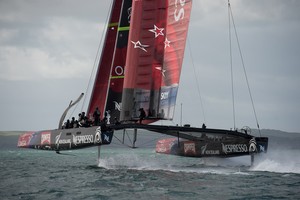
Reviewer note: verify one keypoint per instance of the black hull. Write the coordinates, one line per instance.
(187, 141)
(226, 148)
(203, 142)
(66, 139)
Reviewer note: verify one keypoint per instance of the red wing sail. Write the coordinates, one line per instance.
(113, 104)
(99, 94)
(154, 57)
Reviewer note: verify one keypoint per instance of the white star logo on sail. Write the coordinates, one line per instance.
(167, 43)
(157, 31)
(139, 45)
(162, 70)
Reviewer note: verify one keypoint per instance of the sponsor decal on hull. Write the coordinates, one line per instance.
(205, 151)
(165, 145)
(83, 139)
(59, 141)
(106, 138)
(252, 146)
(46, 138)
(261, 148)
(24, 139)
(234, 148)
(189, 148)
(212, 152)
(98, 139)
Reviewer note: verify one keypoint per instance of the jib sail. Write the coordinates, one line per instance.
(155, 52)
(113, 104)
(99, 93)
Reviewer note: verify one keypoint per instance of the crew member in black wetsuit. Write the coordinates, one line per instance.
(142, 115)
(96, 116)
(117, 121)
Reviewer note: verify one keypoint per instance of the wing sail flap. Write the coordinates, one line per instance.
(154, 58)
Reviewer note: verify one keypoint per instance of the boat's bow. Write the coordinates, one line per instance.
(66, 139)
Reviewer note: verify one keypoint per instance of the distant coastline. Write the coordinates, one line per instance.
(11, 133)
(264, 132)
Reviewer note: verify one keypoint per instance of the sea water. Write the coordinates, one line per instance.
(140, 173)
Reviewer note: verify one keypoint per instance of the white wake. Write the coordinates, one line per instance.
(280, 161)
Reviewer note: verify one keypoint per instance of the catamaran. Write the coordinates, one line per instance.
(140, 68)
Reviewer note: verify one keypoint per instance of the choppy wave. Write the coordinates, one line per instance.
(140, 173)
(137, 174)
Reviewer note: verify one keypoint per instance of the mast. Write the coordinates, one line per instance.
(230, 16)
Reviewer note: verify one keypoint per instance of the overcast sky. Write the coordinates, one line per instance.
(48, 48)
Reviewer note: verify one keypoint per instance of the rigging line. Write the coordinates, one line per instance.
(197, 81)
(244, 68)
(128, 137)
(231, 67)
(121, 144)
(97, 55)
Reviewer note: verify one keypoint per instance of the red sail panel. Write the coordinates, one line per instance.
(145, 53)
(99, 93)
(157, 35)
(179, 12)
(114, 98)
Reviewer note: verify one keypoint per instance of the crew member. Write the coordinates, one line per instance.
(142, 115)
(96, 116)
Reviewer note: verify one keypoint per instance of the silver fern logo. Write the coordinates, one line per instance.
(203, 148)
